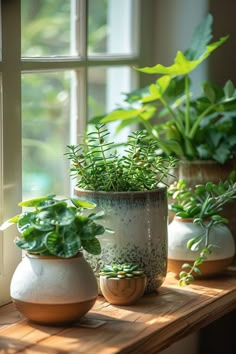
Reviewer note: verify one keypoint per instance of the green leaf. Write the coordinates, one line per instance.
(197, 270)
(79, 203)
(210, 93)
(200, 38)
(229, 89)
(92, 246)
(158, 89)
(120, 114)
(186, 265)
(183, 274)
(62, 248)
(183, 66)
(36, 201)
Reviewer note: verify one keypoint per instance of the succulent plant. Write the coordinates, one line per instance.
(126, 270)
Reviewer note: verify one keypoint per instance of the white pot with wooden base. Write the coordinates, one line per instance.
(180, 231)
(53, 290)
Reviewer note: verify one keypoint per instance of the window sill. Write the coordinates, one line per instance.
(158, 320)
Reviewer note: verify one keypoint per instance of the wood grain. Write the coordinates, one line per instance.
(154, 323)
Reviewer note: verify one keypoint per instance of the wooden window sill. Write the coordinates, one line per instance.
(155, 322)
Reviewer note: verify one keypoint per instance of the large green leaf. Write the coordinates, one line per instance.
(92, 246)
(62, 247)
(32, 245)
(183, 66)
(36, 201)
(200, 38)
(120, 114)
(158, 89)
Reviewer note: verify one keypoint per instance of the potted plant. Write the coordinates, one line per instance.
(54, 284)
(199, 240)
(198, 129)
(122, 284)
(129, 187)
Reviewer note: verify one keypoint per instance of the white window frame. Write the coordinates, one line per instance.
(11, 67)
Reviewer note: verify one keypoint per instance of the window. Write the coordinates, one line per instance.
(62, 62)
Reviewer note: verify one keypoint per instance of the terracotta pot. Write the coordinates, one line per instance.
(52, 290)
(202, 171)
(181, 230)
(139, 221)
(122, 291)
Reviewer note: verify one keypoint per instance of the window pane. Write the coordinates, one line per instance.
(105, 87)
(45, 133)
(111, 27)
(45, 28)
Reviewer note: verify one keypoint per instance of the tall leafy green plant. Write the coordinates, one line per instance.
(203, 127)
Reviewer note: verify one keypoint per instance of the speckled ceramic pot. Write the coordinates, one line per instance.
(139, 221)
(180, 231)
(52, 290)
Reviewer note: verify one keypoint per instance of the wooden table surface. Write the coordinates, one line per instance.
(155, 322)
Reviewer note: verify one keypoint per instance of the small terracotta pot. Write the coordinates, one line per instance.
(53, 290)
(124, 291)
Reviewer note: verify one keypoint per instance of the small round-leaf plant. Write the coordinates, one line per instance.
(54, 227)
(97, 165)
(203, 204)
(121, 271)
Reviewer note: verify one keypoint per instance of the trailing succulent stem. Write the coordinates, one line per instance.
(98, 166)
(203, 204)
(121, 271)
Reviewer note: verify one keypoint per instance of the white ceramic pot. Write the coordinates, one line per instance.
(53, 290)
(181, 230)
(139, 221)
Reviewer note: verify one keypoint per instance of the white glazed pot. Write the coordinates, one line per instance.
(181, 230)
(53, 290)
(139, 221)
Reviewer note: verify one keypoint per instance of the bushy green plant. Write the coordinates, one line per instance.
(97, 165)
(121, 271)
(186, 126)
(203, 204)
(55, 227)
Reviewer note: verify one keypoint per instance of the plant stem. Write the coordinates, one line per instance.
(187, 111)
(105, 160)
(198, 121)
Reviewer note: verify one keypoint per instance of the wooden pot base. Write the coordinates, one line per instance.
(54, 314)
(207, 268)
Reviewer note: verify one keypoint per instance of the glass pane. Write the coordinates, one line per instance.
(45, 133)
(105, 87)
(45, 28)
(111, 27)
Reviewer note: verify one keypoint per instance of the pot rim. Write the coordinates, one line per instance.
(189, 220)
(120, 279)
(162, 189)
(37, 256)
